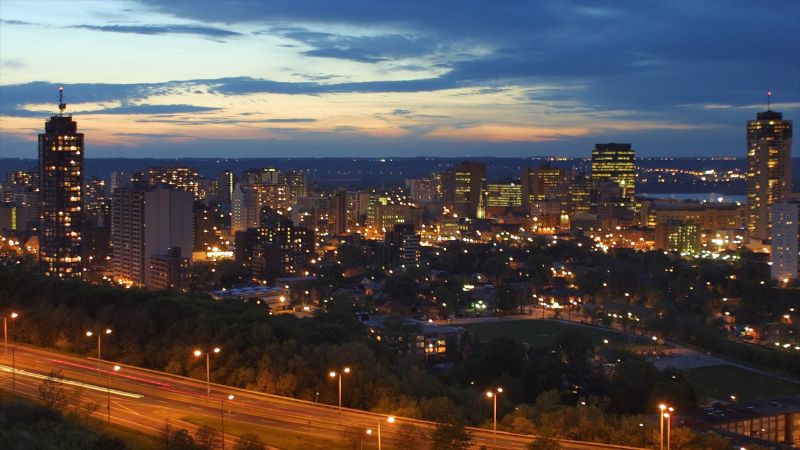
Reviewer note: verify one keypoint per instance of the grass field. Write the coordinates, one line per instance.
(720, 382)
(275, 438)
(541, 333)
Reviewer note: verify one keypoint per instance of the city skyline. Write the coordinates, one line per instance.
(374, 79)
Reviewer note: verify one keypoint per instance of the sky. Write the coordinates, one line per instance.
(241, 78)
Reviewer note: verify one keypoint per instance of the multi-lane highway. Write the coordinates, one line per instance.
(145, 400)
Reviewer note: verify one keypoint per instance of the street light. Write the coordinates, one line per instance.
(108, 392)
(390, 419)
(338, 375)
(222, 417)
(13, 316)
(199, 353)
(493, 395)
(99, 342)
(664, 413)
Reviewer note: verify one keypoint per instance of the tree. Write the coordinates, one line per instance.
(450, 437)
(544, 443)
(409, 437)
(182, 440)
(207, 438)
(249, 442)
(51, 391)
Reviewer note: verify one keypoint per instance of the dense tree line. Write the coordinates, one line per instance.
(27, 425)
(546, 390)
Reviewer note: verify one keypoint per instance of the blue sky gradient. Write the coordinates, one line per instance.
(396, 78)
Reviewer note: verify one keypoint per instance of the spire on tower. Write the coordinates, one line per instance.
(769, 97)
(61, 105)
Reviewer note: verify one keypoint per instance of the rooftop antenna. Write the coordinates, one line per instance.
(769, 97)
(61, 105)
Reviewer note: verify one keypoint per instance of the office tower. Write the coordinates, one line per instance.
(615, 163)
(425, 189)
(769, 169)
(184, 179)
(146, 224)
(785, 235)
(61, 180)
(580, 195)
(226, 183)
(679, 237)
(503, 194)
(543, 183)
(463, 190)
(339, 212)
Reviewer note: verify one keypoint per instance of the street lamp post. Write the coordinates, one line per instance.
(13, 316)
(332, 374)
(99, 341)
(493, 395)
(664, 414)
(14, 370)
(199, 353)
(389, 419)
(108, 393)
(222, 417)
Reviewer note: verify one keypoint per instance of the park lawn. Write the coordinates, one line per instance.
(543, 332)
(284, 439)
(720, 382)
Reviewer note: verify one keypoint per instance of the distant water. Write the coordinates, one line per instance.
(702, 197)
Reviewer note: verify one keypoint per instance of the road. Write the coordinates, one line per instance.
(145, 400)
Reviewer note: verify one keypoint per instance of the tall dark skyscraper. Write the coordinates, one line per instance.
(769, 169)
(61, 178)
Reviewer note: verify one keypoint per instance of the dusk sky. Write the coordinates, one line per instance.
(396, 78)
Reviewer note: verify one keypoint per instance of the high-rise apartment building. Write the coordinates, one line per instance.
(463, 189)
(769, 169)
(181, 178)
(785, 235)
(61, 180)
(615, 163)
(226, 183)
(297, 182)
(145, 224)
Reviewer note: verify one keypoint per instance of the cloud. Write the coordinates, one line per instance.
(360, 48)
(154, 135)
(162, 29)
(290, 120)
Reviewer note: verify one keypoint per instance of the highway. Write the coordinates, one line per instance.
(146, 400)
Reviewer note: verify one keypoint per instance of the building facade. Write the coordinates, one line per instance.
(615, 163)
(769, 169)
(61, 195)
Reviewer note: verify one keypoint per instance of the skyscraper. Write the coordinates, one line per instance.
(615, 163)
(785, 236)
(769, 169)
(61, 178)
(145, 224)
(463, 189)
